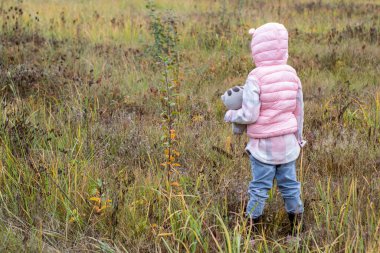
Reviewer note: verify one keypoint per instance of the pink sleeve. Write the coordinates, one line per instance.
(299, 113)
(250, 110)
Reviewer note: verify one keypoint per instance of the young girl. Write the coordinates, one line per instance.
(273, 110)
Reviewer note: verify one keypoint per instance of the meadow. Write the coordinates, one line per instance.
(112, 136)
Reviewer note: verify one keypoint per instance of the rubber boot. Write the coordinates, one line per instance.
(255, 224)
(296, 224)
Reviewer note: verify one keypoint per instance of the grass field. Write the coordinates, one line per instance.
(112, 134)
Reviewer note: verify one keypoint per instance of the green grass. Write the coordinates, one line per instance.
(80, 127)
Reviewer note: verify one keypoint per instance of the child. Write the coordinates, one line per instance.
(272, 108)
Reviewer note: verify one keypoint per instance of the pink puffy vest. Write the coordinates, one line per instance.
(278, 83)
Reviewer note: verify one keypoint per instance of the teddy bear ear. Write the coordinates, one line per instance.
(251, 31)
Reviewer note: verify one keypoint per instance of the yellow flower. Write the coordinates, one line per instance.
(172, 134)
(175, 184)
(176, 153)
(165, 164)
(95, 199)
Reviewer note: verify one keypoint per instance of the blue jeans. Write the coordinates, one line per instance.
(263, 176)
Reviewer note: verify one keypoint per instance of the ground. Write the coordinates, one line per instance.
(99, 99)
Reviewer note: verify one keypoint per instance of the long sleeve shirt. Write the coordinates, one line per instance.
(273, 150)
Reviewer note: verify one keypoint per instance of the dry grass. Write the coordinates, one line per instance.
(80, 127)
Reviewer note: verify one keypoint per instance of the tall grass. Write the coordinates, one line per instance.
(83, 99)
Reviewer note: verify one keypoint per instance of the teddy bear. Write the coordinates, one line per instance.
(233, 99)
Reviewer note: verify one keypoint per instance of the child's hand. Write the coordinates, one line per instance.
(303, 143)
(227, 116)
